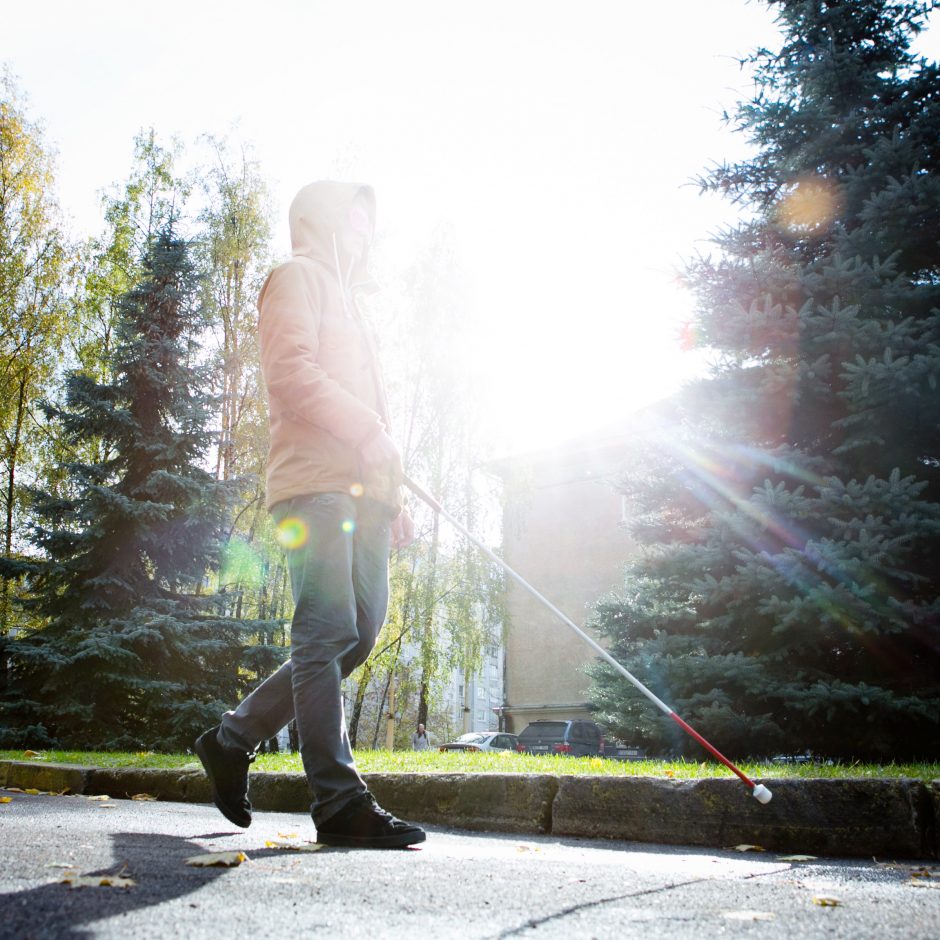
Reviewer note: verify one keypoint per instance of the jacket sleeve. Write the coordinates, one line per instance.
(289, 338)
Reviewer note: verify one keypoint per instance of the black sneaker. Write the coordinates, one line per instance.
(363, 824)
(227, 770)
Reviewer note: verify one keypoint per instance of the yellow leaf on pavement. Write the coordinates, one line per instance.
(32, 791)
(293, 846)
(287, 835)
(221, 859)
(144, 798)
(826, 901)
(6, 799)
(98, 881)
(749, 848)
(796, 858)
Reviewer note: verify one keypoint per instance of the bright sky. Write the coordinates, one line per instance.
(556, 140)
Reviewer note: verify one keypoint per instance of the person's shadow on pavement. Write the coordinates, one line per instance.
(156, 863)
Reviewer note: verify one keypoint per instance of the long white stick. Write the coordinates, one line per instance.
(760, 792)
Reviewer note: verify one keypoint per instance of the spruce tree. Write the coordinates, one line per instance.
(131, 653)
(785, 597)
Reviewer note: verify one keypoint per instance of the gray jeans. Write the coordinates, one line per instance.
(338, 563)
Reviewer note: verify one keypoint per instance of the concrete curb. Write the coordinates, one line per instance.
(893, 818)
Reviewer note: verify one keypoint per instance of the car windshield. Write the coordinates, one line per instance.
(472, 738)
(546, 731)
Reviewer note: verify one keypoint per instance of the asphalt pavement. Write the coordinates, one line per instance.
(457, 884)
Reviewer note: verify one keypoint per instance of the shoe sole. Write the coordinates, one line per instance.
(399, 841)
(200, 750)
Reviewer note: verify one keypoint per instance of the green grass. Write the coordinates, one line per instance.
(454, 762)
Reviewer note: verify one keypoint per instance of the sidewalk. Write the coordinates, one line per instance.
(892, 818)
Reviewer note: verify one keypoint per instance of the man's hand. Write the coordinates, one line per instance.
(381, 453)
(403, 530)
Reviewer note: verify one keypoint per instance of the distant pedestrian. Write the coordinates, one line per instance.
(333, 478)
(419, 740)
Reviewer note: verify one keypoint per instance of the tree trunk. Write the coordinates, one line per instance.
(361, 689)
(423, 702)
(427, 626)
(381, 714)
(6, 599)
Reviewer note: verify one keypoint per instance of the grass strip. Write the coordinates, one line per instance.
(456, 762)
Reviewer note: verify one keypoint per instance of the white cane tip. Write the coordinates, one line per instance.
(762, 794)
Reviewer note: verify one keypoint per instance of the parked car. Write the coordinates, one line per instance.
(483, 741)
(578, 738)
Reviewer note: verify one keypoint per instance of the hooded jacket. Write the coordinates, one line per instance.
(325, 391)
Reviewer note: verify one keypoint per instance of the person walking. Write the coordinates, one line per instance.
(333, 488)
(419, 740)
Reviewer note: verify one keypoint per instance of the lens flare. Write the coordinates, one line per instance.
(831, 585)
(348, 526)
(809, 206)
(356, 490)
(292, 532)
(241, 564)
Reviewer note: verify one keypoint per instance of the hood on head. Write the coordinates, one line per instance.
(321, 210)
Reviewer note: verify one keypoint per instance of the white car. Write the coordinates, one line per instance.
(483, 741)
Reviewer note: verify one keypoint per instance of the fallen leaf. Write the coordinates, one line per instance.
(796, 858)
(31, 754)
(670, 773)
(144, 798)
(14, 790)
(920, 872)
(287, 835)
(749, 848)
(64, 792)
(294, 846)
(99, 797)
(826, 901)
(98, 881)
(32, 791)
(748, 915)
(6, 799)
(220, 859)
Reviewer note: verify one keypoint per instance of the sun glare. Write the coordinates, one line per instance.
(554, 368)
